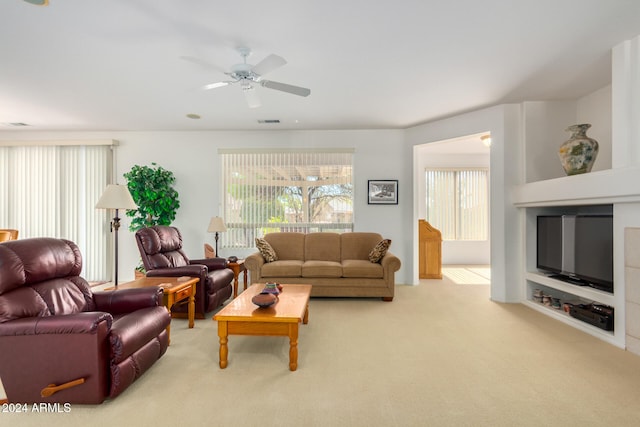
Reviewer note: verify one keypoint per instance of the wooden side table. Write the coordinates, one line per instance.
(238, 267)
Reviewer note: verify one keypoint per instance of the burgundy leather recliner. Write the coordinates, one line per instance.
(162, 255)
(61, 342)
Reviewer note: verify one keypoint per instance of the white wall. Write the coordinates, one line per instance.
(506, 163)
(595, 109)
(193, 157)
(545, 125)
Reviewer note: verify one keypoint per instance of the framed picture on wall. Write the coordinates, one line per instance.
(383, 192)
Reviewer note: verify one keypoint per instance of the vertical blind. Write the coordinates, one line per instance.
(457, 202)
(51, 191)
(287, 190)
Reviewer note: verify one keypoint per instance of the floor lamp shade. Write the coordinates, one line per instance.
(116, 197)
(216, 225)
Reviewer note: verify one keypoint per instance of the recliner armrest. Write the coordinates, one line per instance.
(121, 301)
(211, 263)
(186, 270)
(77, 323)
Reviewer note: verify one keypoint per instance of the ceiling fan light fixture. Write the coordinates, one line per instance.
(251, 95)
(38, 2)
(247, 75)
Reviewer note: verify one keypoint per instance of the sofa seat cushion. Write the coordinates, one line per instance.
(321, 269)
(362, 268)
(282, 268)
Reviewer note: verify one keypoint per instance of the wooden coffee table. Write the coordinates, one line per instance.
(175, 289)
(242, 317)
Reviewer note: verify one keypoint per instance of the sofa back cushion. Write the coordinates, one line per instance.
(287, 245)
(322, 247)
(358, 245)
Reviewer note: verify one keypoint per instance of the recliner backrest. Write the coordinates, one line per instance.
(161, 247)
(41, 277)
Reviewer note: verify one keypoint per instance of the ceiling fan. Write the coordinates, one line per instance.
(38, 2)
(249, 76)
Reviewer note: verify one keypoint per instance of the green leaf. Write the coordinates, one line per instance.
(151, 189)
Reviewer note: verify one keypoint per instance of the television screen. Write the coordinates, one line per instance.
(594, 250)
(549, 244)
(577, 248)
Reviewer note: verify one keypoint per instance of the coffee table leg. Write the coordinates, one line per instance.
(293, 346)
(224, 350)
(245, 279)
(235, 285)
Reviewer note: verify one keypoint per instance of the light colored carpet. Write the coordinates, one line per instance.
(440, 354)
(468, 275)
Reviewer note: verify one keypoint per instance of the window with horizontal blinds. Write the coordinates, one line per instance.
(457, 202)
(51, 191)
(288, 190)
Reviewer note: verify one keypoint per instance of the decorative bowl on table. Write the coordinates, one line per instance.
(264, 299)
(272, 288)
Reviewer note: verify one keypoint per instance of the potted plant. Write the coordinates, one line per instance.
(152, 189)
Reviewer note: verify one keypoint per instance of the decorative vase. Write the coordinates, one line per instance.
(578, 153)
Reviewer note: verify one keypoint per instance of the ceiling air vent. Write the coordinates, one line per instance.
(270, 121)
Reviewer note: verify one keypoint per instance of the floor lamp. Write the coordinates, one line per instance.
(116, 197)
(216, 225)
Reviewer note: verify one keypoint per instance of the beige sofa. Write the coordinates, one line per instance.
(337, 265)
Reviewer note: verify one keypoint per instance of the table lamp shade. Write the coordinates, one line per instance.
(216, 225)
(116, 197)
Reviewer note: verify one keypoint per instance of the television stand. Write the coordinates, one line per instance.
(568, 279)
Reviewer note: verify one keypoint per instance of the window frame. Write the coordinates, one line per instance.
(294, 215)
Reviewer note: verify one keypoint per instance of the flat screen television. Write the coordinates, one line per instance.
(577, 249)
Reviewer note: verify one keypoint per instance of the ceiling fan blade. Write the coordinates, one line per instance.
(215, 85)
(296, 90)
(251, 95)
(268, 64)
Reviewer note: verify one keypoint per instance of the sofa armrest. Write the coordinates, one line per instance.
(127, 300)
(390, 262)
(253, 263)
(211, 263)
(78, 323)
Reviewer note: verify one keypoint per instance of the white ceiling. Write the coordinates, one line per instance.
(116, 64)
